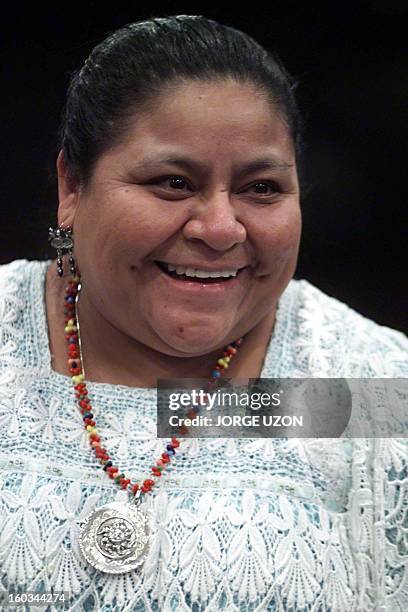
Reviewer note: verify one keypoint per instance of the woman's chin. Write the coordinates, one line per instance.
(198, 339)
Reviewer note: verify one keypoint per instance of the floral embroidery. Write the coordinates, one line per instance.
(41, 418)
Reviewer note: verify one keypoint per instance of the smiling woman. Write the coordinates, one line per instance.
(211, 219)
(179, 207)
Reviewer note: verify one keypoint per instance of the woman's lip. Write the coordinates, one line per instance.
(204, 269)
(206, 288)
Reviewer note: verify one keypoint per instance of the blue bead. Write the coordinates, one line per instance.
(170, 450)
(88, 415)
(215, 373)
(70, 300)
(72, 341)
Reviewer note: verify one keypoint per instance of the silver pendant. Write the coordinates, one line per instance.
(115, 538)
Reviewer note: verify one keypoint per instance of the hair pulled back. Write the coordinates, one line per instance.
(126, 71)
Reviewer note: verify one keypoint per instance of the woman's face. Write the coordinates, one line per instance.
(206, 180)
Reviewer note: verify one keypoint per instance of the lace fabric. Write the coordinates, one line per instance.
(239, 524)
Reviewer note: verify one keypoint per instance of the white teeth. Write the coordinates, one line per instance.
(199, 273)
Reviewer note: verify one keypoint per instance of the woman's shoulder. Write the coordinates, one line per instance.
(21, 307)
(20, 284)
(350, 343)
(19, 271)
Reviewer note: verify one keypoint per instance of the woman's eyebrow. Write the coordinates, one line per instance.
(271, 162)
(264, 163)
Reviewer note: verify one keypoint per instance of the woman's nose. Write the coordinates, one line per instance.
(214, 221)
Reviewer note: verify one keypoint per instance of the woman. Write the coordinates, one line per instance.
(178, 164)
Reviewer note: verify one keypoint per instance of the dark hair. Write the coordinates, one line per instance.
(125, 72)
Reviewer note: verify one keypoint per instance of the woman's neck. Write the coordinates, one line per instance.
(112, 357)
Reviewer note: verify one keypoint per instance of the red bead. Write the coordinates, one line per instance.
(156, 471)
(100, 451)
(135, 488)
(71, 335)
(165, 458)
(175, 443)
(124, 483)
(94, 437)
(84, 403)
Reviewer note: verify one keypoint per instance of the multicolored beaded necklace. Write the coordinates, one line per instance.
(115, 537)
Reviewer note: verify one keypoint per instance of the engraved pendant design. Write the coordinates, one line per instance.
(115, 538)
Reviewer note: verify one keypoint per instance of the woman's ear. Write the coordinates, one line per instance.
(68, 193)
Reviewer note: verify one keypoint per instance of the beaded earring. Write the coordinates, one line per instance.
(62, 240)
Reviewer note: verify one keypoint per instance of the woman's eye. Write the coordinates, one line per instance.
(264, 188)
(178, 183)
(174, 182)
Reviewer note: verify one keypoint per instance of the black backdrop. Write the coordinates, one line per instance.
(352, 66)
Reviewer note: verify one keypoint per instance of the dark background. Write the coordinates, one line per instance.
(351, 62)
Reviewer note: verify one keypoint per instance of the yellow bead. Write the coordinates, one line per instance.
(78, 378)
(91, 429)
(71, 328)
(223, 362)
(71, 322)
(227, 359)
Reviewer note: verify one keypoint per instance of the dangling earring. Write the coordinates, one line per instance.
(62, 240)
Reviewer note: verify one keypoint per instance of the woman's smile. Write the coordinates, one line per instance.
(206, 287)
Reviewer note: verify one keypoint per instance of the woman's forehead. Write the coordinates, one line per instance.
(181, 125)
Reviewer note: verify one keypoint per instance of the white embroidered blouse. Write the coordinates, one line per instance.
(239, 524)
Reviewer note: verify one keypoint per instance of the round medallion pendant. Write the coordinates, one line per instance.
(115, 538)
